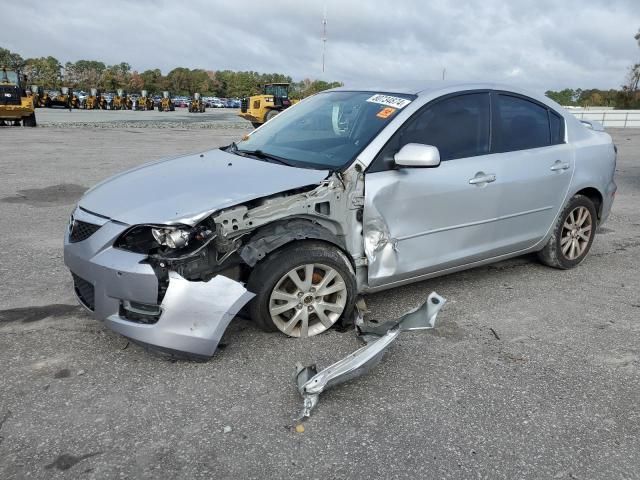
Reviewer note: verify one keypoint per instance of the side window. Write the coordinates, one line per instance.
(520, 124)
(557, 128)
(458, 126)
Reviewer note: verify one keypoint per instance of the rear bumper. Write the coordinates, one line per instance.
(607, 202)
(192, 315)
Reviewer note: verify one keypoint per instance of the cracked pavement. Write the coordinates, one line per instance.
(532, 373)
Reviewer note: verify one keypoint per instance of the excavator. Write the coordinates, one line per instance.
(166, 105)
(260, 108)
(15, 104)
(196, 105)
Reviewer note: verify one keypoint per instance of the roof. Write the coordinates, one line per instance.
(449, 86)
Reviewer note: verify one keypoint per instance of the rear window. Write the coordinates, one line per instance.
(521, 124)
(557, 128)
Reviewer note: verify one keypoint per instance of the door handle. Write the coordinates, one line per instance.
(481, 178)
(558, 166)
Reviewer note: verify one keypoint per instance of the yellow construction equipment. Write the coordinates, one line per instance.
(144, 102)
(121, 101)
(15, 104)
(63, 98)
(40, 96)
(260, 108)
(196, 105)
(93, 100)
(166, 105)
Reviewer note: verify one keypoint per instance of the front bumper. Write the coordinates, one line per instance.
(193, 315)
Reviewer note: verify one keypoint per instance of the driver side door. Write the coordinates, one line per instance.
(423, 220)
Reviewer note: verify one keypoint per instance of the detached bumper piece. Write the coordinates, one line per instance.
(192, 318)
(312, 383)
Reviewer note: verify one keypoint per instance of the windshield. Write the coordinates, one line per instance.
(11, 77)
(277, 90)
(327, 130)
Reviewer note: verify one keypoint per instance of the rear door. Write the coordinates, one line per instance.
(533, 165)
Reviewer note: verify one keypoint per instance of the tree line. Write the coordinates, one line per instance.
(627, 97)
(50, 73)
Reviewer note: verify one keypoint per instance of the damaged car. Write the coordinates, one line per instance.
(346, 193)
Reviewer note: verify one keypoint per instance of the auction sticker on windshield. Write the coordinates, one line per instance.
(389, 100)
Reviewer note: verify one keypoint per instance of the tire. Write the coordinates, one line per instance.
(270, 114)
(270, 280)
(567, 246)
(255, 124)
(29, 121)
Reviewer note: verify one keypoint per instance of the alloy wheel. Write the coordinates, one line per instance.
(307, 300)
(576, 232)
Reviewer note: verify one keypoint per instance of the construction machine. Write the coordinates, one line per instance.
(16, 105)
(260, 108)
(43, 98)
(40, 96)
(166, 105)
(121, 101)
(196, 105)
(145, 102)
(94, 100)
(63, 98)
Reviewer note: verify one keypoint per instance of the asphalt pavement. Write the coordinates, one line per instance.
(533, 372)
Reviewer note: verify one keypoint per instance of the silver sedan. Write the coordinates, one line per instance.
(347, 192)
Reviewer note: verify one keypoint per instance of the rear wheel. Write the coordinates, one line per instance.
(572, 236)
(302, 289)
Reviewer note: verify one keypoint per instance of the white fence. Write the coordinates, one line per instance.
(608, 117)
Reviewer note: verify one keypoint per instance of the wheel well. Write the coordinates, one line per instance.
(595, 196)
(276, 235)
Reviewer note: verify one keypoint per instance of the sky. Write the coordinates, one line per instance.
(536, 44)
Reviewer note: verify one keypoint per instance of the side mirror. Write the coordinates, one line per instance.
(417, 155)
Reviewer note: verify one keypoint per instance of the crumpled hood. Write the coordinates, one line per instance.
(186, 189)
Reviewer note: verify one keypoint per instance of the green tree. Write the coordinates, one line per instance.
(563, 97)
(10, 60)
(153, 80)
(44, 71)
(87, 74)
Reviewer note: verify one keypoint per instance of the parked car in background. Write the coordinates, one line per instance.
(347, 192)
(181, 101)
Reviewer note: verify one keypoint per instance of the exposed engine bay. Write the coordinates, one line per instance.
(231, 241)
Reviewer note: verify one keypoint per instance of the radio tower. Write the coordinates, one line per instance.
(324, 35)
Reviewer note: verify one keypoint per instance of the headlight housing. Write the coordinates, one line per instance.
(163, 239)
(172, 237)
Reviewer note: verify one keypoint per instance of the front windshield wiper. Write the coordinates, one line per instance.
(262, 156)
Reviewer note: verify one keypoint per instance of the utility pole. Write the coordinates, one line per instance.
(444, 73)
(324, 36)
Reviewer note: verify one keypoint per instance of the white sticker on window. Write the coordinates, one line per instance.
(389, 100)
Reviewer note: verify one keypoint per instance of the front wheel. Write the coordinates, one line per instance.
(572, 236)
(29, 121)
(302, 289)
(270, 114)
